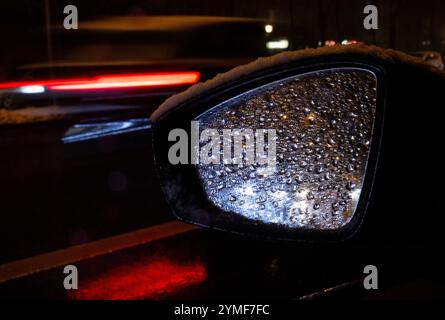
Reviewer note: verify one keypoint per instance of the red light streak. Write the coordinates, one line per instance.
(122, 81)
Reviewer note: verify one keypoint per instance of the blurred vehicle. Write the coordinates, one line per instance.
(129, 49)
(64, 123)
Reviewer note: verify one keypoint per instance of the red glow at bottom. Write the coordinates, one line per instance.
(154, 279)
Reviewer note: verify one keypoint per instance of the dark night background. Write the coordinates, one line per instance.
(405, 25)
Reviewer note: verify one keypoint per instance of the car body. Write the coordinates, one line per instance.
(81, 186)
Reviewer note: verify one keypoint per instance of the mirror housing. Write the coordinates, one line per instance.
(314, 206)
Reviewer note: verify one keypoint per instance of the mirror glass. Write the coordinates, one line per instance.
(293, 152)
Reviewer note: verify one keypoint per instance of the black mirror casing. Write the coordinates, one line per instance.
(405, 86)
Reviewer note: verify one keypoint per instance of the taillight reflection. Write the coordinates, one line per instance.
(153, 278)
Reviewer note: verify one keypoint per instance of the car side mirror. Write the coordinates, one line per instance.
(293, 146)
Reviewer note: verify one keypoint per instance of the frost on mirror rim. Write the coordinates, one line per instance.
(323, 122)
